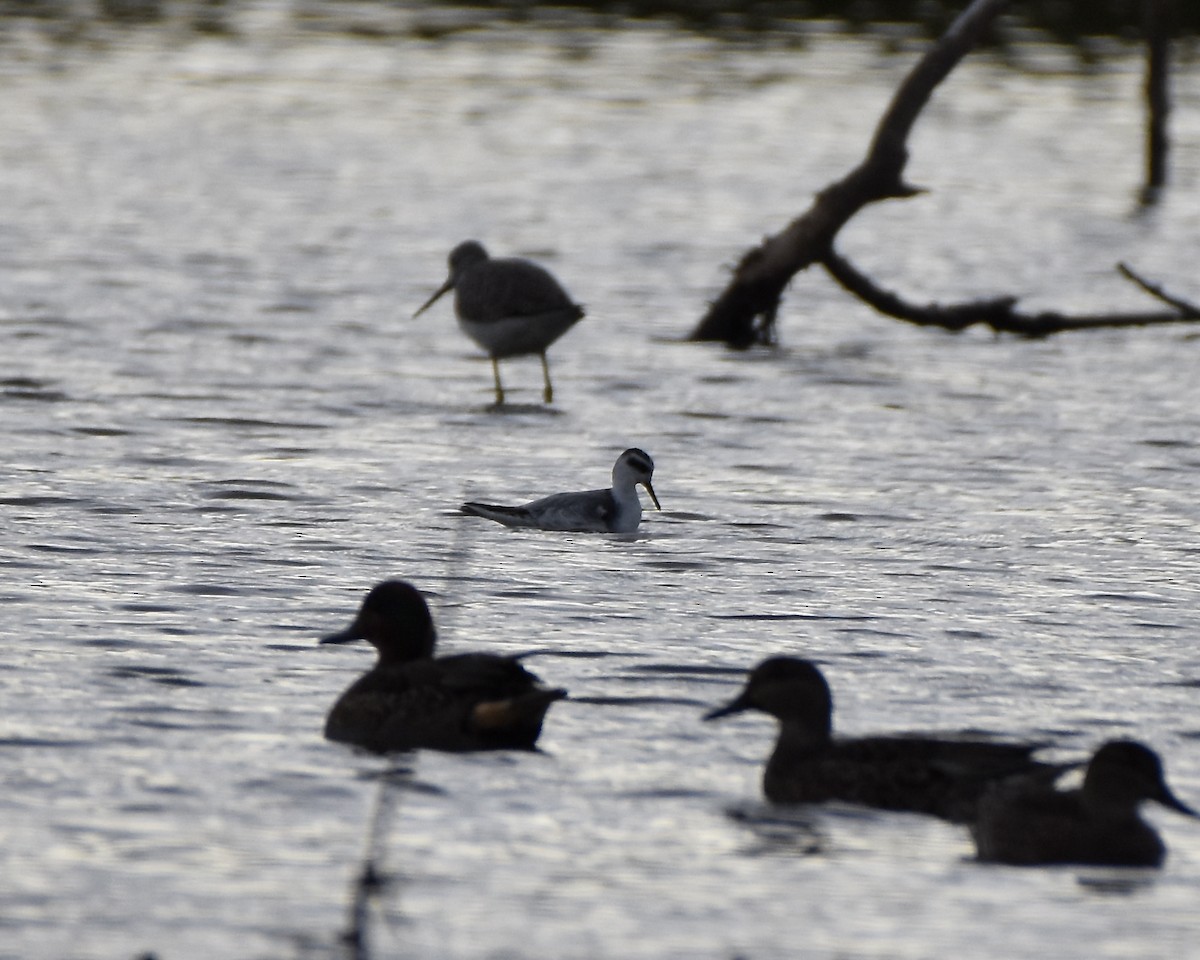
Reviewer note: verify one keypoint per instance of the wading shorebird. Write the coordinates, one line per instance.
(941, 777)
(1028, 823)
(616, 510)
(411, 699)
(510, 307)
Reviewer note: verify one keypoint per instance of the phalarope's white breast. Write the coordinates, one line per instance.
(616, 510)
(510, 307)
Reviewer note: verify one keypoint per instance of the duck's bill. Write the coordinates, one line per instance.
(1168, 799)
(444, 288)
(650, 490)
(350, 634)
(734, 706)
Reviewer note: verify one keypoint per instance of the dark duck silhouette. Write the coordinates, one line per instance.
(1028, 823)
(941, 777)
(411, 699)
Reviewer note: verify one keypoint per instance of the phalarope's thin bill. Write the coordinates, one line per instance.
(411, 699)
(510, 307)
(1026, 822)
(616, 510)
(940, 777)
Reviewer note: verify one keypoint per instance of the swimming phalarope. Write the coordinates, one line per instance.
(510, 307)
(1028, 823)
(941, 777)
(410, 699)
(617, 510)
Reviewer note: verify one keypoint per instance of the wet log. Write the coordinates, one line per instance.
(744, 314)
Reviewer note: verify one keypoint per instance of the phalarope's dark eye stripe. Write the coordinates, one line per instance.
(639, 460)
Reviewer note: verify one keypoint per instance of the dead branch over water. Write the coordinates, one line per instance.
(1158, 16)
(1001, 313)
(744, 313)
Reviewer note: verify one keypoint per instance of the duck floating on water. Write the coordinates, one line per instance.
(1028, 823)
(411, 699)
(941, 777)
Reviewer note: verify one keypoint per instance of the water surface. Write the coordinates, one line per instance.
(221, 427)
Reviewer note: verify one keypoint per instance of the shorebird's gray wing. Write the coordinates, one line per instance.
(498, 289)
(590, 511)
(509, 516)
(587, 511)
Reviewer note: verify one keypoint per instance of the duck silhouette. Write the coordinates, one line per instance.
(1028, 823)
(411, 699)
(943, 777)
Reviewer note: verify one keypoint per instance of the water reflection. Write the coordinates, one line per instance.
(373, 880)
(781, 831)
(1124, 883)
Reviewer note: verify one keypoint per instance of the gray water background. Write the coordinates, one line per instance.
(220, 427)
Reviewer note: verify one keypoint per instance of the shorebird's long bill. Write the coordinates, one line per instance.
(348, 635)
(650, 490)
(444, 288)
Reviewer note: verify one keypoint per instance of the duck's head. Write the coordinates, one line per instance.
(792, 690)
(1122, 773)
(634, 466)
(394, 618)
(462, 258)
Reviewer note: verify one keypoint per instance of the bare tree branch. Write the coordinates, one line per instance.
(1158, 17)
(760, 278)
(954, 317)
(999, 314)
(744, 314)
(1189, 310)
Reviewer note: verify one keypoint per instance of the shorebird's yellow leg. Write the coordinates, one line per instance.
(499, 387)
(548, 393)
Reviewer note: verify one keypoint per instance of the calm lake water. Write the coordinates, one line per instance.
(221, 427)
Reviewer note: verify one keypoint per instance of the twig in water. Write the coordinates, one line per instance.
(1185, 307)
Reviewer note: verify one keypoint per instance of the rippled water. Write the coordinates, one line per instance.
(221, 427)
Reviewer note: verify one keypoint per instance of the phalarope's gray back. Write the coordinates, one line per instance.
(1028, 823)
(410, 699)
(510, 307)
(617, 510)
(940, 777)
